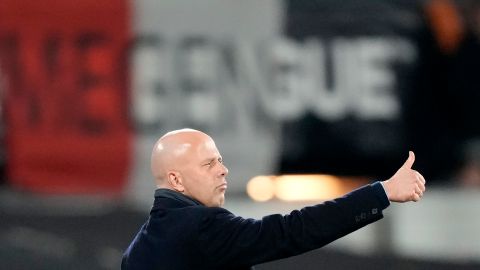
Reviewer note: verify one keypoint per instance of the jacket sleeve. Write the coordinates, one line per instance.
(229, 240)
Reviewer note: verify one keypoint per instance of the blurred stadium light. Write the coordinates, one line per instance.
(304, 188)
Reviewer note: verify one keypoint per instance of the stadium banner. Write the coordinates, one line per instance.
(282, 86)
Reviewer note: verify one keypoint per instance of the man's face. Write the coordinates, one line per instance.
(204, 174)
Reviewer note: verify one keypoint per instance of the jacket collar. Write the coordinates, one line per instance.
(167, 198)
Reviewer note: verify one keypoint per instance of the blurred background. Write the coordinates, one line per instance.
(334, 92)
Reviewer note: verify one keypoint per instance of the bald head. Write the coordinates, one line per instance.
(189, 162)
(173, 150)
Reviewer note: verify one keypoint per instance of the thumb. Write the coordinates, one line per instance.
(411, 158)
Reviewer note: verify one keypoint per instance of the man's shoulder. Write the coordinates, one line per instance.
(207, 212)
(193, 212)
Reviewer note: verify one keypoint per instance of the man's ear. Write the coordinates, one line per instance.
(175, 181)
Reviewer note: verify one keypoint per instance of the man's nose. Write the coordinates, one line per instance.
(224, 170)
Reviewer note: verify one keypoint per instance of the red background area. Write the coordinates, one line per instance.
(66, 100)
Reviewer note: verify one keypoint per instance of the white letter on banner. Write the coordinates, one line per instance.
(376, 98)
(288, 81)
(328, 104)
(151, 62)
(200, 62)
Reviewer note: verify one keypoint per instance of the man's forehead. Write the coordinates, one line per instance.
(210, 143)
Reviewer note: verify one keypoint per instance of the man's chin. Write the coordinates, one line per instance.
(217, 203)
(221, 201)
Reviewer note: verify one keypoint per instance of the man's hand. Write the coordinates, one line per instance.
(406, 184)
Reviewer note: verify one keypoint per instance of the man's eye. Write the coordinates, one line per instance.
(210, 164)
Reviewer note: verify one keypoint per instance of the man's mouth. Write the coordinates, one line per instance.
(222, 186)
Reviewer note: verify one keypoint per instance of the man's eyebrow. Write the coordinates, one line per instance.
(209, 160)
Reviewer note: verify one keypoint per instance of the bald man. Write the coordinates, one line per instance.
(188, 229)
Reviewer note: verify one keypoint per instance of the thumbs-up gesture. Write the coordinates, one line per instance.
(406, 184)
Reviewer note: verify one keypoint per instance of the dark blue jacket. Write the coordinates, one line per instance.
(183, 234)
